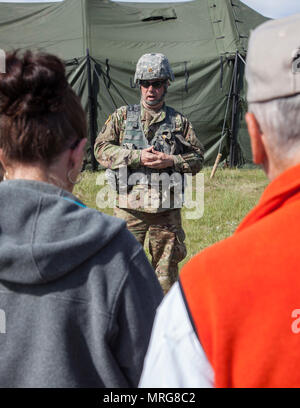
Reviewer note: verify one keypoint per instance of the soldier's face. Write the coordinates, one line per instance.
(153, 92)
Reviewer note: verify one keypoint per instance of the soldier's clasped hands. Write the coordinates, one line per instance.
(156, 160)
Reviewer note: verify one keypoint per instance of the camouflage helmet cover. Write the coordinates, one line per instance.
(153, 66)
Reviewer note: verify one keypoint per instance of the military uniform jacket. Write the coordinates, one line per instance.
(111, 154)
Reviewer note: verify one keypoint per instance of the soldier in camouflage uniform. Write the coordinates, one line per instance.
(148, 140)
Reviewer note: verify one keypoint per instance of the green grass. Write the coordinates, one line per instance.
(228, 197)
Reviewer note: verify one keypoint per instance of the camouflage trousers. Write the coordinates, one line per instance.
(166, 240)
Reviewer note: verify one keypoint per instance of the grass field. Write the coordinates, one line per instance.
(228, 197)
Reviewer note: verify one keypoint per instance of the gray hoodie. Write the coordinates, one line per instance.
(77, 293)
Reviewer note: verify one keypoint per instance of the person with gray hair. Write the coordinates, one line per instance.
(237, 324)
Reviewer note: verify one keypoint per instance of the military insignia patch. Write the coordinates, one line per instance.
(108, 120)
(105, 124)
(150, 69)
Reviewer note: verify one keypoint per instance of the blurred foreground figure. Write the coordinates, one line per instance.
(233, 318)
(77, 294)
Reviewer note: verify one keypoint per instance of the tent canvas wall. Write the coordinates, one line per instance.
(101, 41)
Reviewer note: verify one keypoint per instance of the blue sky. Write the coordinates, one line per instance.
(269, 8)
(274, 8)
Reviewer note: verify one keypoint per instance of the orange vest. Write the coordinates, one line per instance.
(242, 293)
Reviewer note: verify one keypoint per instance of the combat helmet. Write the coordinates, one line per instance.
(153, 66)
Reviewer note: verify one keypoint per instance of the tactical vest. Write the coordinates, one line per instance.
(165, 140)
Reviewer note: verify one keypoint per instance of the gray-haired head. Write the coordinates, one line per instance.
(273, 76)
(273, 60)
(153, 66)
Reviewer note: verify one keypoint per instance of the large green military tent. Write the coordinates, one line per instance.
(101, 41)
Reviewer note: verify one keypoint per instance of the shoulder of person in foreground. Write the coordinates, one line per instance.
(124, 286)
(175, 357)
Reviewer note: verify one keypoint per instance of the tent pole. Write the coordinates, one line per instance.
(91, 111)
(232, 157)
(219, 155)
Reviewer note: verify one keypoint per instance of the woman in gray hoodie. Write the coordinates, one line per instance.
(77, 293)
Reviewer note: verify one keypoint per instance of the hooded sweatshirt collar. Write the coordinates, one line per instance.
(46, 232)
